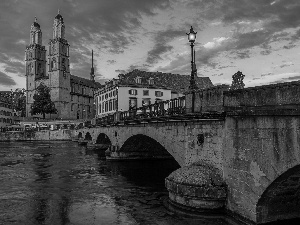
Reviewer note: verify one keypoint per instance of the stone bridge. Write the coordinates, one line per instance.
(246, 163)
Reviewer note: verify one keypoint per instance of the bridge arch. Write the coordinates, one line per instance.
(143, 146)
(281, 199)
(88, 136)
(102, 138)
(79, 135)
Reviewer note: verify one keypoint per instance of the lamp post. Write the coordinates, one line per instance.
(193, 86)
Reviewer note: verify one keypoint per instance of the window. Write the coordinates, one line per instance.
(110, 105)
(53, 63)
(146, 101)
(72, 98)
(146, 92)
(72, 107)
(151, 81)
(106, 106)
(115, 104)
(158, 93)
(133, 92)
(132, 103)
(138, 80)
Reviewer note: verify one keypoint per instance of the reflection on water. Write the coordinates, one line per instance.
(62, 183)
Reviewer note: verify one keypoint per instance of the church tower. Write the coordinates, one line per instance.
(92, 74)
(35, 62)
(59, 68)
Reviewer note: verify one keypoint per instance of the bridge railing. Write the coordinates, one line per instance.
(159, 109)
(164, 108)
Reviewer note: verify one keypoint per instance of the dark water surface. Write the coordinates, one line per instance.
(62, 183)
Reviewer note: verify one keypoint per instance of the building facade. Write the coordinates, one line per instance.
(140, 88)
(72, 95)
(118, 97)
(6, 113)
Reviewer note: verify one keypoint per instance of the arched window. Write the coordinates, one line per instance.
(53, 64)
(110, 105)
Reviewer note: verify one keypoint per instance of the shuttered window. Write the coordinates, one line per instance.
(132, 92)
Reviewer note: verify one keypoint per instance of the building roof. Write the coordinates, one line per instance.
(175, 82)
(85, 82)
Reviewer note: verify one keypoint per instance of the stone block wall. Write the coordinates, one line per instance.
(267, 95)
(44, 135)
(207, 100)
(188, 142)
(256, 151)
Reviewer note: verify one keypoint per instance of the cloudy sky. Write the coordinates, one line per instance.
(261, 38)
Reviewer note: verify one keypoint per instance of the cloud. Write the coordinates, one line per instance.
(120, 71)
(109, 25)
(242, 54)
(285, 64)
(161, 46)
(271, 78)
(6, 80)
(215, 43)
(111, 61)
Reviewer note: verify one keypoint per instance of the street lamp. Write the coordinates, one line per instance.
(193, 86)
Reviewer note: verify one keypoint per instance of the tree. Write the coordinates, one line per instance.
(42, 101)
(19, 101)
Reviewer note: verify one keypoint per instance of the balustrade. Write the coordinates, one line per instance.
(159, 109)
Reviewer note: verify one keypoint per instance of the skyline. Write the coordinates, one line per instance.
(258, 38)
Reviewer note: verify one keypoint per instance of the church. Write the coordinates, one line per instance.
(73, 96)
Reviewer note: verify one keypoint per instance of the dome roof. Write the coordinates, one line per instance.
(59, 17)
(35, 24)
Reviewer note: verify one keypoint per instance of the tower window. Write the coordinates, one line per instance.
(53, 63)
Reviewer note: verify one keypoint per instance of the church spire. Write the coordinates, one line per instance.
(35, 33)
(92, 77)
(58, 27)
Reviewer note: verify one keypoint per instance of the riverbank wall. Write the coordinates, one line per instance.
(43, 135)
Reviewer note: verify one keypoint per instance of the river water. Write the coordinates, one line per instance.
(61, 183)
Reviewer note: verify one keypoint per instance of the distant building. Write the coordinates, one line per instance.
(176, 82)
(73, 96)
(140, 88)
(6, 113)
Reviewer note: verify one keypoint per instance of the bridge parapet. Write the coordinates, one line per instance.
(207, 100)
(275, 97)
